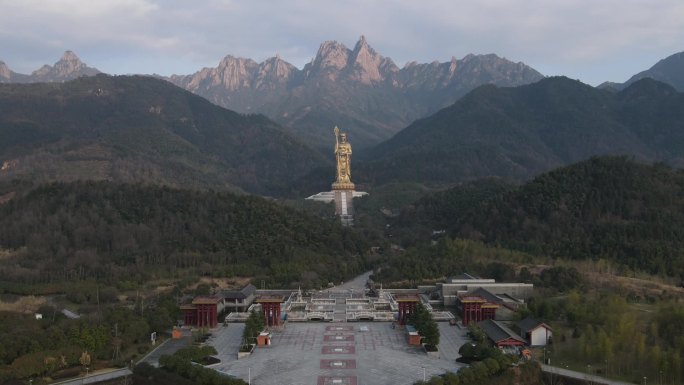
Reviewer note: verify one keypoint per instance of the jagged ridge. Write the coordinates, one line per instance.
(69, 67)
(358, 88)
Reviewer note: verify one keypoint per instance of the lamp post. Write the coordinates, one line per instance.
(588, 374)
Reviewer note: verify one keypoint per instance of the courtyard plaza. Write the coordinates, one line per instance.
(343, 353)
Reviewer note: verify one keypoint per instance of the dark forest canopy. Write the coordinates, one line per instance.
(107, 231)
(612, 208)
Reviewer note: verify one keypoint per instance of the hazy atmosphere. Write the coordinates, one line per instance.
(586, 40)
(306, 192)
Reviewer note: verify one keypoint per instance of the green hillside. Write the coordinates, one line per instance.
(612, 208)
(112, 232)
(524, 131)
(141, 129)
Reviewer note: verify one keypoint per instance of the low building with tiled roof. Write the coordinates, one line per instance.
(500, 335)
(535, 332)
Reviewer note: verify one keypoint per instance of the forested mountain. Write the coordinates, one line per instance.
(141, 129)
(357, 89)
(111, 232)
(439, 212)
(523, 131)
(669, 70)
(612, 208)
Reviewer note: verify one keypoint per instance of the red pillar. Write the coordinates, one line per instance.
(466, 314)
(271, 313)
(213, 315)
(198, 315)
(405, 311)
(472, 312)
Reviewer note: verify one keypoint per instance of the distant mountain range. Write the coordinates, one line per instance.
(141, 129)
(523, 131)
(69, 67)
(362, 92)
(359, 90)
(669, 70)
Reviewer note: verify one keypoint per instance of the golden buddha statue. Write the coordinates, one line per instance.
(343, 153)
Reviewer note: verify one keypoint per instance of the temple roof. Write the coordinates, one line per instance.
(529, 324)
(239, 294)
(270, 298)
(462, 277)
(407, 298)
(206, 300)
(486, 294)
(497, 332)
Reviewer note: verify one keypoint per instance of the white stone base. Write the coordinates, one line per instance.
(329, 196)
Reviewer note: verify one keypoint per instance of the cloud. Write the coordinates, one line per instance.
(586, 39)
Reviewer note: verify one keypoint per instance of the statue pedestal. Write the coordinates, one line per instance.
(343, 186)
(344, 202)
(344, 206)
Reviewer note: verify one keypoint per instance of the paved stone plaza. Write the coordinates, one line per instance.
(336, 353)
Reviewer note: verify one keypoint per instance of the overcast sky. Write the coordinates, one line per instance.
(590, 40)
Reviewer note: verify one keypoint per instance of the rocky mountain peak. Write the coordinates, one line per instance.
(272, 72)
(331, 55)
(277, 67)
(67, 68)
(42, 71)
(366, 63)
(234, 73)
(5, 73)
(453, 65)
(70, 56)
(68, 64)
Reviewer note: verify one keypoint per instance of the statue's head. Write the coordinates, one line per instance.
(343, 137)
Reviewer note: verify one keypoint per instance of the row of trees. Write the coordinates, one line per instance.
(179, 366)
(490, 371)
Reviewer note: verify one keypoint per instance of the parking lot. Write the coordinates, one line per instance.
(336, 353)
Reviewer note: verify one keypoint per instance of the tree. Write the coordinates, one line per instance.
(255, 324)
(426, 326)
(476, 333)
(84, 360)
(492, 365)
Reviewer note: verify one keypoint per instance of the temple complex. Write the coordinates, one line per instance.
(474, 299)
